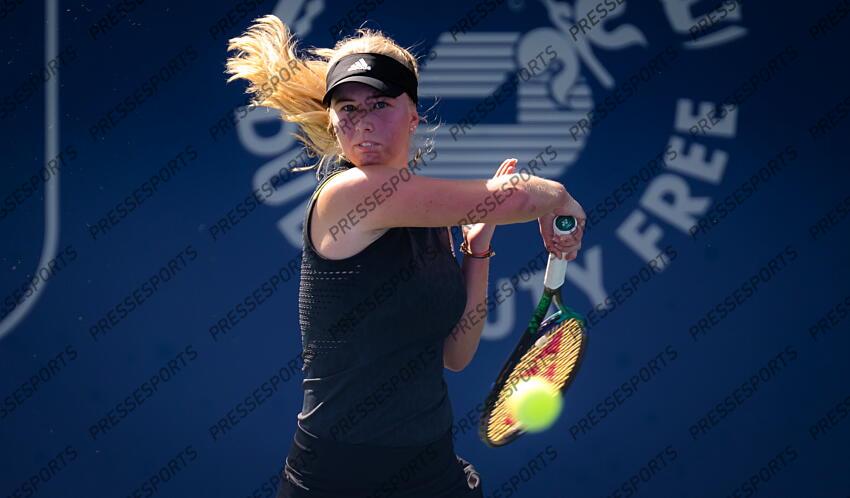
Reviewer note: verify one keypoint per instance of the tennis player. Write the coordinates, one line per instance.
(382, 299)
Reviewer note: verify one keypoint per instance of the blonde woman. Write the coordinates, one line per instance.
(381, 295)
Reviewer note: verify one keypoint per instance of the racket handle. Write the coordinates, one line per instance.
(556, 269)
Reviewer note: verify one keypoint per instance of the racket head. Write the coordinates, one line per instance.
(553, 353)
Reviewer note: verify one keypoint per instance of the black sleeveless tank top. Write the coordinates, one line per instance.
(372, 332)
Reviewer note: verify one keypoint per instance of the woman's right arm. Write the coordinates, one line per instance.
(379, 197)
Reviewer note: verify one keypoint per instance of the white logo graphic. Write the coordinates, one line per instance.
(299, 14)
(51, 149)
(683, 22)
(360, 65)
(554, 97)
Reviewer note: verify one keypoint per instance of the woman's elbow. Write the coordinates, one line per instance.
(452, 368)
(452, 363)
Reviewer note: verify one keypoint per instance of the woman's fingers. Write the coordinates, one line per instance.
(505, 167)
(565, 246)
(567, 241)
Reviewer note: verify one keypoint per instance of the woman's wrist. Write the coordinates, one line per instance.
(478, 247)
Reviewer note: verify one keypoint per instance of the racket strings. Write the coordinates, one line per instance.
(554, 357)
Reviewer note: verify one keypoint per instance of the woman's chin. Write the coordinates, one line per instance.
(369, 159)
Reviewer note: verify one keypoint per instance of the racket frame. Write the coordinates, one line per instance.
(528, 339)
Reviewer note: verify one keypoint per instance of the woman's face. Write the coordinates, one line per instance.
(359, 113)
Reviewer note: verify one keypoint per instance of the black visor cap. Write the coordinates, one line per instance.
(382, 72)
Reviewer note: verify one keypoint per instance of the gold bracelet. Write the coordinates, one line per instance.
(464, 248)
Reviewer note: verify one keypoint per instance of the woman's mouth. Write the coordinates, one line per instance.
(367, 146)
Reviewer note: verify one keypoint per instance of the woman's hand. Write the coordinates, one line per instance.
(480, 234)
(563, 246)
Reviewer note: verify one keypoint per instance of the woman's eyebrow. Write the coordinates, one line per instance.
(373, 96)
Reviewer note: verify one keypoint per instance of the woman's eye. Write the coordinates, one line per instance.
(350, 108)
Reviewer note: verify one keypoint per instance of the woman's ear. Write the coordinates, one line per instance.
(414, 120)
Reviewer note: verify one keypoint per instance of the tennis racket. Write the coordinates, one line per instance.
(550, 348)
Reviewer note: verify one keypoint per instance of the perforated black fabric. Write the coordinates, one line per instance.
(372, 331)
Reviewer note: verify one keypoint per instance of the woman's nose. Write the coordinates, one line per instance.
(364, 123)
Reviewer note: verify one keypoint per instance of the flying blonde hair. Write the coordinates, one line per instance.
(279, 78)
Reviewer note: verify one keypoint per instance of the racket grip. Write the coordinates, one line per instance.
(556, 269)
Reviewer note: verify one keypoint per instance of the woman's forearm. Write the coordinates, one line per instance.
(542, 196)
(460, 347)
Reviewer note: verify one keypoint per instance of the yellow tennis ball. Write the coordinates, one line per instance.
(536, 404)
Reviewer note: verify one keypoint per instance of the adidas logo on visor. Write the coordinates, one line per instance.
(360, 65)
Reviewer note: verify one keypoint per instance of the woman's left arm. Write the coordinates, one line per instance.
(460, 346)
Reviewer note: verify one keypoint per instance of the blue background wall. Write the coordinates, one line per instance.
(683, 426)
